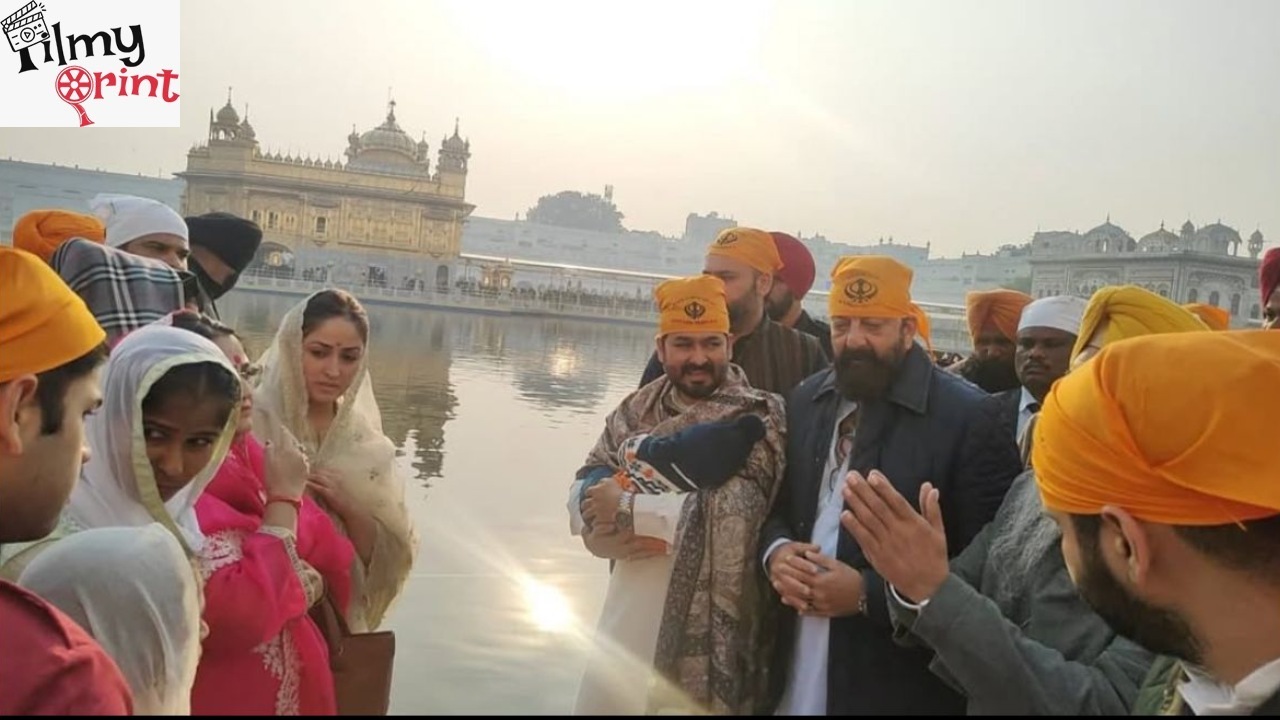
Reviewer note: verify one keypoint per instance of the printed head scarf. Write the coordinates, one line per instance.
(755, 248)
(692, 305)
(1117, 430)
(875, 286)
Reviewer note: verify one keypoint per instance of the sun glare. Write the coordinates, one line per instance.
(596, 48)
(548, 608)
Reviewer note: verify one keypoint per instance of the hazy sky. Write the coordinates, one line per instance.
(968, 124)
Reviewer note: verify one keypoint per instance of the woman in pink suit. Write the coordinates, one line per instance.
(271, 554)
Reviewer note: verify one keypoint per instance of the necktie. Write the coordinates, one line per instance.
(844, 446)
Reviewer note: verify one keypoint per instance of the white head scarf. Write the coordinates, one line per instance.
(355, 449)
(1063, 312)
(135, 592)
(128, 218)
(118, 487)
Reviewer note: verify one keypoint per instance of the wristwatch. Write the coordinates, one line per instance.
(623, 518)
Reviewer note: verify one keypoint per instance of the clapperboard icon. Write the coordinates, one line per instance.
(26, 26)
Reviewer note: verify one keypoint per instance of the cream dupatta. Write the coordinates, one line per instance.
(357, 452)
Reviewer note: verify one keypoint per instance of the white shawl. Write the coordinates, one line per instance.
(135, 592)
(356, 451)
(117, 486)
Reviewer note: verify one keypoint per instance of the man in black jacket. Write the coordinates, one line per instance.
(883, 406)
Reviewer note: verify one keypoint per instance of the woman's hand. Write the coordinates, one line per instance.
(286, 467)
(361, 527)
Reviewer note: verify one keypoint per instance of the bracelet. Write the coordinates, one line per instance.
(295, 502)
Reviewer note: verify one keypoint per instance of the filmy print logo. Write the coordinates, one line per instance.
(77, 63)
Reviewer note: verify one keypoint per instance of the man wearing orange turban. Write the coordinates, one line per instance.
(1269, 282)
(1213, 316)
(40, 232)
(50, 353)
(885, 408)
(1170, 518)
(993, 326)
(774, 357)
(707, 535)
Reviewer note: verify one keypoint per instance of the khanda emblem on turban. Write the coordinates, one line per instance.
(727, 239)
(861, 290)
(695, 310)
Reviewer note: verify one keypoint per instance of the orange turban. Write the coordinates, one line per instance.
(1178, 443)
(692, 305)
(874, 286)
(43, 323)
(40, 232)
(748, 245)
(1002, 308)
(1130, 311)
(1215, 317)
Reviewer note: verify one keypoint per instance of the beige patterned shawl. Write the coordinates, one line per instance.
(718, 621)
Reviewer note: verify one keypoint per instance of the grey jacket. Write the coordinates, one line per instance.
(1040, 651)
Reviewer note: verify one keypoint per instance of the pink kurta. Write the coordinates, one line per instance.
(264, 655)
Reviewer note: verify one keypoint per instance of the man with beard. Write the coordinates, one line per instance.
(884, 406)
(222, 246)
(1169, 509)
(790, 284)
(774, 358)
(1003, 617)
(993, 323)
(1046, 333)
(686, 624)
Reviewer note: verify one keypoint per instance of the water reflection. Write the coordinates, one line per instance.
(493, 414)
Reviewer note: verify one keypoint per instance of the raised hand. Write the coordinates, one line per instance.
(908, 549)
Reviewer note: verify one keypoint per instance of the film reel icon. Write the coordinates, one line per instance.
(74, 85)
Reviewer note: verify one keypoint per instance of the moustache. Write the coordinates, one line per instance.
(861, 355)
(690, 368)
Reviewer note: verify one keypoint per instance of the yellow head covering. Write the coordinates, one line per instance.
(874, 286)
(692, 305)
(1179, 443)
(1131, 311)
(43, 324)
(1002, 308)
(748, 245)
(1213, 316)
(40, 232)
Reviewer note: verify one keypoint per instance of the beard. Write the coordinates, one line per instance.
(863, 375)
(744, 311)
(1028, 535)
(994, 375)
(698, 387)
(1161, 631)
(778, 309)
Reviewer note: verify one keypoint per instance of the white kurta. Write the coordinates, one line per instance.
(806, 689)
(620, 664)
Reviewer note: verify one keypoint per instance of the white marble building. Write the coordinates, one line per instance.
(1195, 265)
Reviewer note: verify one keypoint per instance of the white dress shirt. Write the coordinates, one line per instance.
(806, 689)
(1206, 696)
(1025, 411)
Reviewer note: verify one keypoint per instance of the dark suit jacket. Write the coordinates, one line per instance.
(1010, 400)
(932, 427)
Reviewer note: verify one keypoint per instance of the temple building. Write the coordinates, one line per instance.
(1194, 265)
(385, 216)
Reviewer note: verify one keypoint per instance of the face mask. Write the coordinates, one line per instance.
(212, 288)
